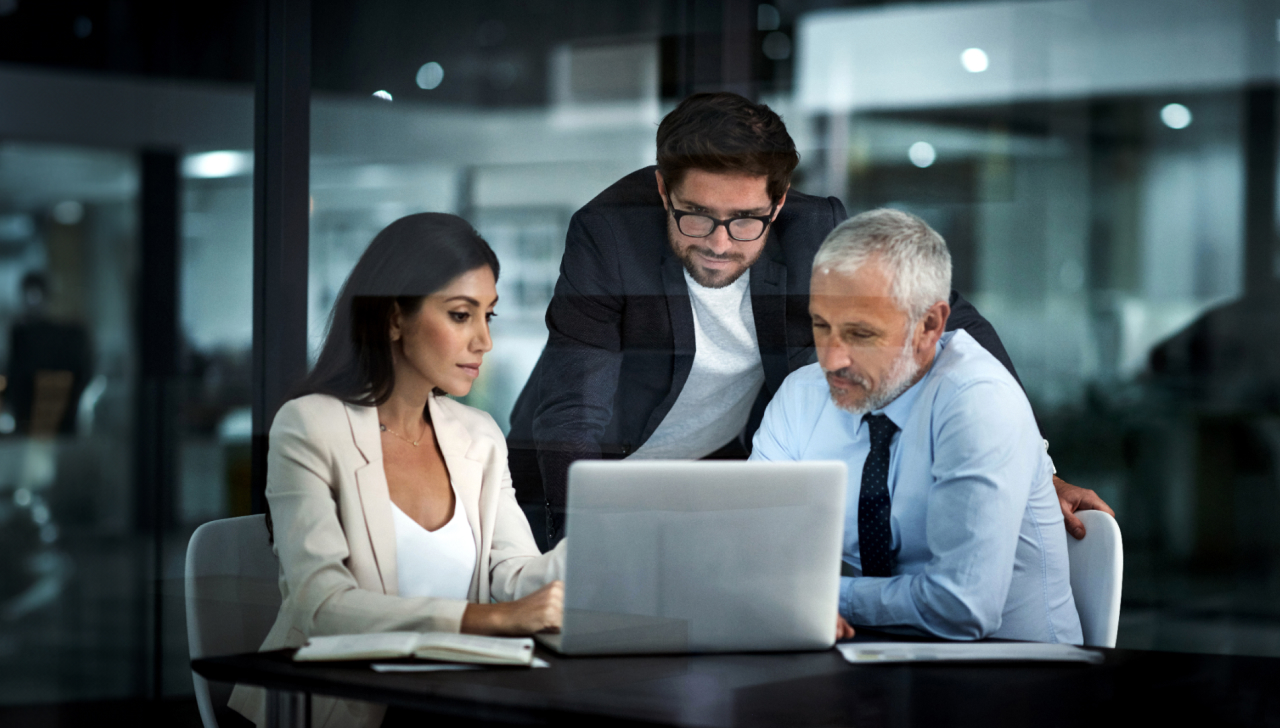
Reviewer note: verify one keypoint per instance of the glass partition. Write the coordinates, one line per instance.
(70, 625)
(1104, 171)
(1089, 163)
(511, 118)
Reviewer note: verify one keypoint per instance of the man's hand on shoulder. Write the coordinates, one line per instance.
(1074, 499)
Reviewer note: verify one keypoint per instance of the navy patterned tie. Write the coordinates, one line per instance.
(874, 537)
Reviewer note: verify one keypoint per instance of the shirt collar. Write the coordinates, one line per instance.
(900, 409)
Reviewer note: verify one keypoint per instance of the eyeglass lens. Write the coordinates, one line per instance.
(697, 226)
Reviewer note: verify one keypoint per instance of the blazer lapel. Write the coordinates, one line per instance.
(466, 475)
(769, 308)
(684, 342)
(375, 499)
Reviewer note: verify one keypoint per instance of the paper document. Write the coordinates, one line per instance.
(443, 646)
(438, 666)
(422, 667)
(862, 653)
(452, 647)
(377, 646)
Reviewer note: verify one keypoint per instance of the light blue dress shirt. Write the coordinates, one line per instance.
(976, 526)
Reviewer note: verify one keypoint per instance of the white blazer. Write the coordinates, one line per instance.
(336, 542)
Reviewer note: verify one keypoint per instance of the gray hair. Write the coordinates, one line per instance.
(914, 255)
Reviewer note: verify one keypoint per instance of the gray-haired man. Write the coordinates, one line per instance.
(952, 524)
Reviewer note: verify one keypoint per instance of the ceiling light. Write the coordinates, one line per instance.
(212, 165)
(430, 75)
(1176, 116)
(975, 60)
(922, 154)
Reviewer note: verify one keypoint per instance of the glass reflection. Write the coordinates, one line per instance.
(1088, 163)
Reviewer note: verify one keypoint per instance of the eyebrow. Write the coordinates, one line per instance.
(753, 212)
(469, 300)
(848, 325)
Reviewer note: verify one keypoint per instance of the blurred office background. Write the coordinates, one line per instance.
(1105, 172)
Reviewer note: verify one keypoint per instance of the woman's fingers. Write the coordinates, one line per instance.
(553, 605)
(542, 610)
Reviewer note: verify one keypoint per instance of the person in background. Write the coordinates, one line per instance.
(50, 362)
(681, 306)
(390, 504)
(952, 527)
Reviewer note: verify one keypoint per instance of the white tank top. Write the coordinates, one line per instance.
(436, 563)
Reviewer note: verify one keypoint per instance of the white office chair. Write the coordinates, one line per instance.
(1097, 570)
(233, 596)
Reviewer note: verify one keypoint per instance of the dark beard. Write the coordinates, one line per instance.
(700, 275)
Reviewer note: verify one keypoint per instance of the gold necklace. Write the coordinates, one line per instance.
(402, 437)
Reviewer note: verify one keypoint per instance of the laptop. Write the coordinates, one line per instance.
(701, 556)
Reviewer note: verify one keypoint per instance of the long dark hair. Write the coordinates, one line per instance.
(409, 260)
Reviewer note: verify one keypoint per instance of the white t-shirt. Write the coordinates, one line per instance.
(716, 400)
(436, 563)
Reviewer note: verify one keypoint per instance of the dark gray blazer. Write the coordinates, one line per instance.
(621, 332)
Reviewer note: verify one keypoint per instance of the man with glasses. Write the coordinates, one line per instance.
(682, 304)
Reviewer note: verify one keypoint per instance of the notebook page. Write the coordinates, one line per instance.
(375, 646)
(477, 649)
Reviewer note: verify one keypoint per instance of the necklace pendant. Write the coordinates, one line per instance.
(415, 442)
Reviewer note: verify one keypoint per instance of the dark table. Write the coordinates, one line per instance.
(797, 689)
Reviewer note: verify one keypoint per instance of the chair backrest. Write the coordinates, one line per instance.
(233, 596)
(1097, 570)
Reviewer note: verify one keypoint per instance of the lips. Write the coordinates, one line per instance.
(715, 261)
(845, 382)
(472, 369)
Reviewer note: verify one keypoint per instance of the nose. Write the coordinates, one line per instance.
(832, 357)
(719, 241)
(483, 342)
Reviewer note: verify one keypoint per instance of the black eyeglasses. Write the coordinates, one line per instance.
(743, 229)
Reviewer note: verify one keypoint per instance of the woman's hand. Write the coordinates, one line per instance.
(843, 630)
(541, 611)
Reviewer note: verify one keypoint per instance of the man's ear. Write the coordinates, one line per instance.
(662, 188)
(781, 201)
(933, 325)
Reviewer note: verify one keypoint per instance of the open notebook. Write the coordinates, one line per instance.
(444, 646)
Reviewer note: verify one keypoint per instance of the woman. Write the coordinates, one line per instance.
(392, 505)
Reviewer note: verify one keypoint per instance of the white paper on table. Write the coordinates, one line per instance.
(374, 646)
(422, 667)
(863, 653)
(438, 666)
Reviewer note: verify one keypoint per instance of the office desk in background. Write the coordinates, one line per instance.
(800, 689)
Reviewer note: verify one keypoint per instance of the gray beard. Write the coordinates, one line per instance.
(902, 374)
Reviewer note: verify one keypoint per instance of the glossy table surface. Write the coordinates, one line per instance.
(804, 689)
